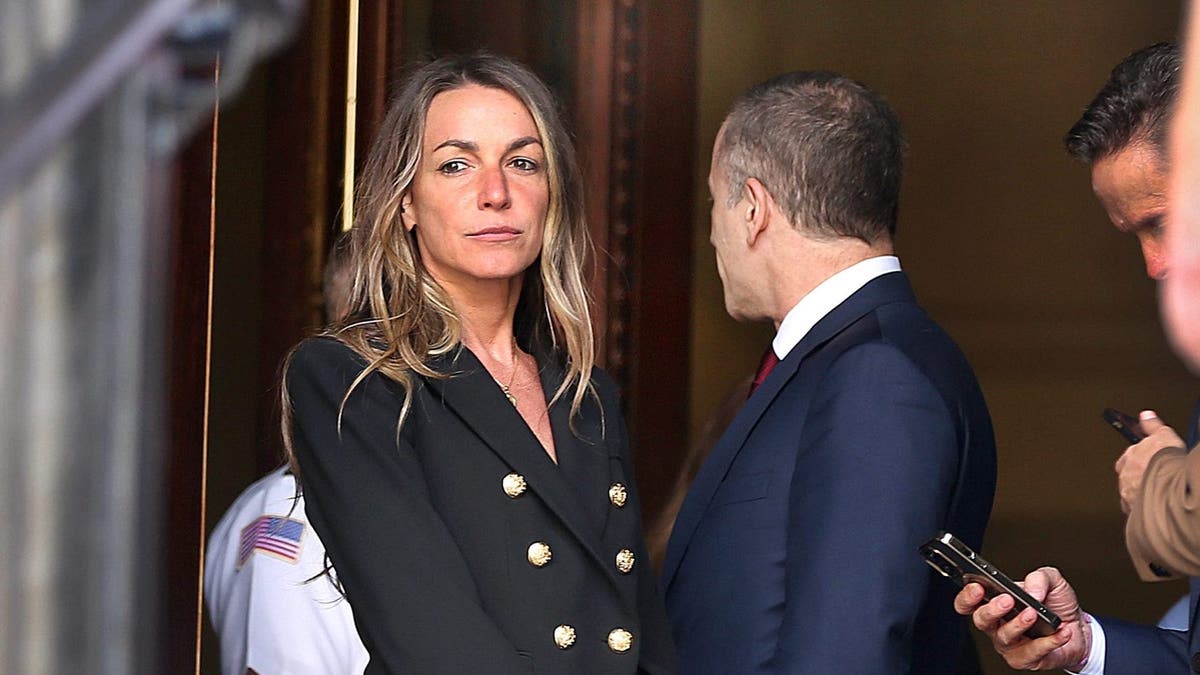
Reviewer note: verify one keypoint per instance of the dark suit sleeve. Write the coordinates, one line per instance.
(881, 483)
(657, 656)
(414, 600)
(1136, 649)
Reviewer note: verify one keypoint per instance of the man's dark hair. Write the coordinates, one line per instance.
(829, 150)
(1134, 105)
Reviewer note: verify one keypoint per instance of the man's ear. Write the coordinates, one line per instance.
(757, 213)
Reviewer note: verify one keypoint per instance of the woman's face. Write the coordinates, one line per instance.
(478, 200)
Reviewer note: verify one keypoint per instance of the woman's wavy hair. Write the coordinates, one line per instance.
(399, 316)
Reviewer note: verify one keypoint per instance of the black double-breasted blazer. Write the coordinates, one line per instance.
(461, 546)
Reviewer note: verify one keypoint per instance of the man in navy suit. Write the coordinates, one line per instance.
(1122, 137)
(796, 548)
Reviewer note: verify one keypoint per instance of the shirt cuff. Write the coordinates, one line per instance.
(1095, 658)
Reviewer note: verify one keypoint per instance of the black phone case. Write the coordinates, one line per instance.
(1127, 425)
(956, 561)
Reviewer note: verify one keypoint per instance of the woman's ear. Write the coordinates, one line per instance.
(406, 214)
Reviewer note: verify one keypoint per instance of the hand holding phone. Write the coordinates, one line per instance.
(956, 561)
(1127, 425)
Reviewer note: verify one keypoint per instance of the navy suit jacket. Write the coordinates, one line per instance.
(1137, 648)
(796, 548)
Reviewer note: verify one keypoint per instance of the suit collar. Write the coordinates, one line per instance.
(471, 392)
(882, 290)
(820, 301)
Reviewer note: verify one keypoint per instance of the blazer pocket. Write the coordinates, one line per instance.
(744, 487)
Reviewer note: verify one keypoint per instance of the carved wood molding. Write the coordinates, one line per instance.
(627, 144)
(635, 112)
(608, 101)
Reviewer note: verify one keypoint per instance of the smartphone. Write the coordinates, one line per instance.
(1127, 425)
(956, 561)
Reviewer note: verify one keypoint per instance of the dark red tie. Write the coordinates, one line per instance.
(765, 366)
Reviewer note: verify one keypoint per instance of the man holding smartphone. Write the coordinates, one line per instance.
(1122, 137)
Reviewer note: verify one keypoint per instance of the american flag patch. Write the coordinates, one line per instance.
(274, 535)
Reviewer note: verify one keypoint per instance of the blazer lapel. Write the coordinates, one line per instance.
(891, 287)
(583, 456)
(479, 402)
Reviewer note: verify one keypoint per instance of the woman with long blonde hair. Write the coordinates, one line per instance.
(462, 459)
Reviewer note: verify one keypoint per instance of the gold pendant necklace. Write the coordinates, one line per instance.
(507, 388)
(508, 394)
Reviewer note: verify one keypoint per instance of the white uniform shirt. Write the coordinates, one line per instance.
(267, 614)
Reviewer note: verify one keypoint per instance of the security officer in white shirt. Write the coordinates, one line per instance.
(269, 601)
(272, 606)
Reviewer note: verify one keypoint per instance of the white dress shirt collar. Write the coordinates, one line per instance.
(825, 297)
